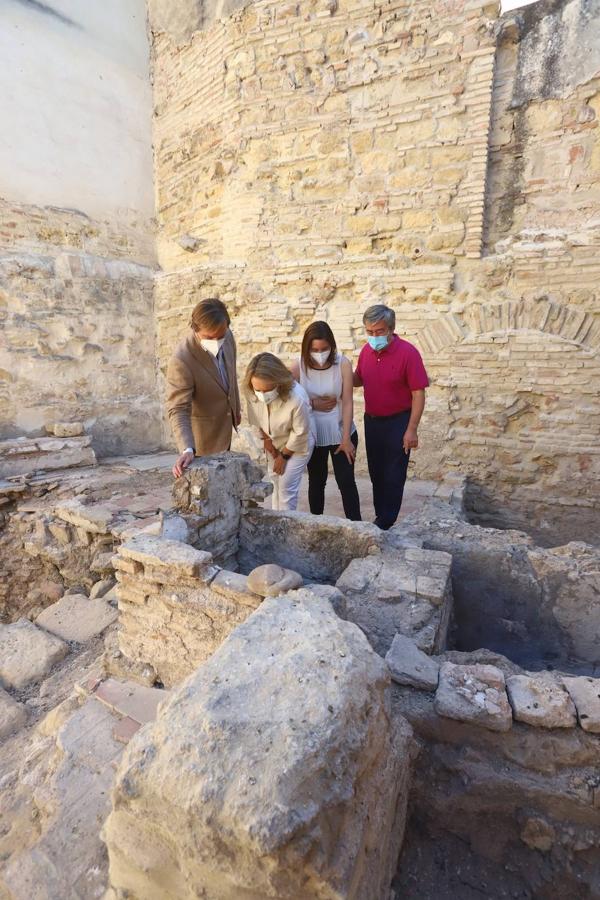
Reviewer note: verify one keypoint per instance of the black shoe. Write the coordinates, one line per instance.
(381, 526)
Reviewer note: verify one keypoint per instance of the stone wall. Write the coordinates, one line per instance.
(314, 157)
(77, 252)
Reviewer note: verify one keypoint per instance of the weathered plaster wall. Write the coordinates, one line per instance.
(77, 254)
(314, 157)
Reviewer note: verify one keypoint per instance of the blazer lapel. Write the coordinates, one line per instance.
(206, 360)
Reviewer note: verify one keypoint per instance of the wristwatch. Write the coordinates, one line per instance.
(285, 455)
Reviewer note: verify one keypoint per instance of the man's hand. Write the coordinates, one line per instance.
(182, 463)
(279, 464)
(324, 404)
(411, 440)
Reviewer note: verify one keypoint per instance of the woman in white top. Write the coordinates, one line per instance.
(326, 376)
(279, 413)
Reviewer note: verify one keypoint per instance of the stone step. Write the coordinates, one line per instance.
(77, 618)
(27, 653)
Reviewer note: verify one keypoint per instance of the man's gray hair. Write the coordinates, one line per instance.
(378, 312)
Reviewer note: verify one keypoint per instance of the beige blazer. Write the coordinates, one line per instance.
(287, 422)
(201, 412)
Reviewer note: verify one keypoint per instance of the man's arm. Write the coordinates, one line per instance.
(411, 440)
(179, 409)
(356, 375)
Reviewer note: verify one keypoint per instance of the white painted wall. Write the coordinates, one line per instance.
(76, 106)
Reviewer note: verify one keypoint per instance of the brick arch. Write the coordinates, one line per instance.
(571, 324)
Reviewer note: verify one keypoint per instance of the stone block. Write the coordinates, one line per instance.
(540, 700)
(93, 518)
(473, 693)
(65, 429)
(130, 699)
(409, 665)
(235, 586)
(77, 618)
(585, 693)
(271, 580)
(13, 715)
(160, 553)
(101, 588)
(22, 455)
(27, 653)
(275, 770)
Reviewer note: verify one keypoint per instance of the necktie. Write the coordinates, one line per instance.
(222, 369)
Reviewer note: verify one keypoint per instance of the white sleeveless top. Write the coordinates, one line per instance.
(326, 383)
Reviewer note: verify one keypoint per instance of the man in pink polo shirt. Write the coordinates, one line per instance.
(394, 379)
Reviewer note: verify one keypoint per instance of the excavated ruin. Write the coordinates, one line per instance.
(222, 700)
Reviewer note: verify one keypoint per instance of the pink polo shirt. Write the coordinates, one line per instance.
(389, 377)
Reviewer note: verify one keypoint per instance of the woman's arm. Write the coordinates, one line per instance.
(346, 446)
(347, 399)
(297, 440)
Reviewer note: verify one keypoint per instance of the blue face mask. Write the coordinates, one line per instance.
(378, 342)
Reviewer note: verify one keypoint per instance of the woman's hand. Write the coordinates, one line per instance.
(324, 404)
(268, 445)
(347, 447)
(279, 464)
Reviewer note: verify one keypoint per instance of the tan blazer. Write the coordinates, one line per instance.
(201, 412)
(287, 422)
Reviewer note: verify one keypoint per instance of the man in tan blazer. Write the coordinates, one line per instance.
(203, 399)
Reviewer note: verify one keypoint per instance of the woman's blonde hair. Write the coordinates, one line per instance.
(269, 367)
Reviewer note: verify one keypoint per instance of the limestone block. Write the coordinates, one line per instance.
(65, 429)
(274, 771)
(12, 715)
(585, 693)
(77, 618)
(130, 699)
(178, 558)
(473, 693)
(540, 700)
(101, 588)
(27, 653)
(403, 592)
(22, 455)
(271, 580)
(235, 586)
(94, 517)
(409, 665)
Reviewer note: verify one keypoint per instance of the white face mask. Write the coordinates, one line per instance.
(213, 346)
(267, 396)
(321, 358)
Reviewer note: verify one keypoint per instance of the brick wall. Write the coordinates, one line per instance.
(312, 158)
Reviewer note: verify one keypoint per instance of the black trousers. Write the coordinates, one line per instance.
(344, 475)
(388, 464)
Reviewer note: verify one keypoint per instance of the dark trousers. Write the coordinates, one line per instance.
(387, 463)
(344, 475)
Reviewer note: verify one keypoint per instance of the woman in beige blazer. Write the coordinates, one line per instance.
(203, 400)
(280, 415)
